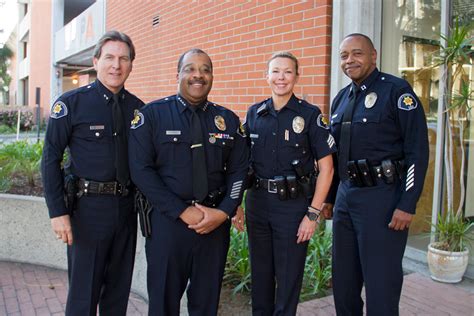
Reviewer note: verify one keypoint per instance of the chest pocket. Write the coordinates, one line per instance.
(296, 147)
(221, 149)
(174, 150)
(93, 133)
(257, 147)
(366, 126)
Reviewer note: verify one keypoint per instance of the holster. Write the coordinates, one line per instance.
(365, 173)
(388, 170)
(249, 179)
(354, 174)
(70, 192)
(292, 187)
(144, 209)
(282, 191)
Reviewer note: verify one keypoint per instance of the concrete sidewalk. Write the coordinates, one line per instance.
(28, 290)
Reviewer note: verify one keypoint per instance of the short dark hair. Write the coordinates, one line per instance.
(192, 51)
(285, 55)
(371, 44)
(114, 36)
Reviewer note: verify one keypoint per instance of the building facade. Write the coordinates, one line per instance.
(240, 36)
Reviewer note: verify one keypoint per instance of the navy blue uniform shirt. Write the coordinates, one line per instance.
(161, 158)
(297, 132)
(388, 123)
(81, 119)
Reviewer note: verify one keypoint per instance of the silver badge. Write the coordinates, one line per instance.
(370, 100)
(220, 122)
(298, 124)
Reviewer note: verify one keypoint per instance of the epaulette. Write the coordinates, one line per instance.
(262, 109)
(164, 100)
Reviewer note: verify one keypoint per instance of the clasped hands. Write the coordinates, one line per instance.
(202, 219)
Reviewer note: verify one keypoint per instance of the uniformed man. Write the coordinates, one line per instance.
(288, 136)
(189, 157)
(99, 223)
(380, 128)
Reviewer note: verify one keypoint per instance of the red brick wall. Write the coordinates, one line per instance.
(238, 35)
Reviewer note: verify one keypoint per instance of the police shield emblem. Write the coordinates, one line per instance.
(322, 121)
(138, 120)
(407, 102)
(58, 110)
(220, 123)
(370, 100)
(298, 124)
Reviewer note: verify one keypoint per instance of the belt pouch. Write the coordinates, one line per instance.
(354, 173)
(292, 187)
(365, 173)
(282, 191)
(388, 170)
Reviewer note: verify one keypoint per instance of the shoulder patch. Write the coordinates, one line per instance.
(322, 121)
(241, 130)
(138, 120)
(407, 102)
(58, 110)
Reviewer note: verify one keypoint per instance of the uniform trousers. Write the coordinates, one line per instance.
(101, 258)
(366, 251)
(277, 261)
(179, 258)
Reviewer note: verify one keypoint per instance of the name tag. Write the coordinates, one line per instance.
(96, 127)
(253, 135)
(173, 132)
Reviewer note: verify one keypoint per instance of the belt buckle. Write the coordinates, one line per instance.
(272, 188)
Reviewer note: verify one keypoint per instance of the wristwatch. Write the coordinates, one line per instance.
(312, 216)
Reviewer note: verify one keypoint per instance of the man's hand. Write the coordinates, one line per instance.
(239, 219)
(306, 229)
(191, 215)
(327, 210)
(62, 228)
(400, 220)
(212, 219)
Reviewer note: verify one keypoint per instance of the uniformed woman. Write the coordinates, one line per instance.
(287, 136)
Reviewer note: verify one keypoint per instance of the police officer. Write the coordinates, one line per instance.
(189, 157)
(100, 226)
(288, 136)
(380, 128)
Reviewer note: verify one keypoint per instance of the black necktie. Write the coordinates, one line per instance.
(345, 139)
(120, 140)
(199, 157)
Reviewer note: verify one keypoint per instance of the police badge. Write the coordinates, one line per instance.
(220, 122)
(370, 100)
(298, 124)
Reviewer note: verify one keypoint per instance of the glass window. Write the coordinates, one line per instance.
(410, 35)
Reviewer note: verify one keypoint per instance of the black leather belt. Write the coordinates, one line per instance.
(267, 184)
(102, 188)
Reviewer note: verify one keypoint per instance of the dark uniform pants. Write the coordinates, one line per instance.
(101, 258)
(277, 261)
(365, 251)
(176, 256)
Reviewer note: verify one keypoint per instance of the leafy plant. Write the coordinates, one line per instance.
(454, 55)
(21, 158)
(237, 270)
(317, 272)
(9, 117)
(452, 232)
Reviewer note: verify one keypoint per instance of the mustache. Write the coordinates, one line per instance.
(197, 81)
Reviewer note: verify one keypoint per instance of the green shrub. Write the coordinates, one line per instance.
(5, 129)
(21, 158)
(237, 270)
(317, 271)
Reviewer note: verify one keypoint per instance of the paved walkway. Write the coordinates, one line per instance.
(27, 289)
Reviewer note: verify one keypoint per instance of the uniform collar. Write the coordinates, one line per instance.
(106, 94)
(185, 104)
(368, 81)
(293, 105)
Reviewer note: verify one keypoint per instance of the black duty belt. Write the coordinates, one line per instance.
(365, 174)
(213, 199)
(102, 188)
(267, 184)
